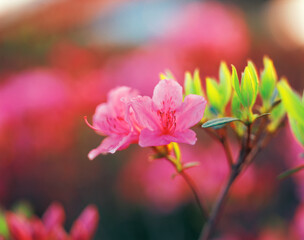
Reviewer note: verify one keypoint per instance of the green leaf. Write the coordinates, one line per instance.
(192, 85)
(3, 226)
(236, 106)
(255, 79)
(290, 172)
(297, 129)
(225, 83)
(268, 81)
(197, 85)
(167, 75)
(236, 83)
(188, 86)
(276, 116)
(247, 89)
(291, 101)
(24, 208)
(219, 121)
(213, 94)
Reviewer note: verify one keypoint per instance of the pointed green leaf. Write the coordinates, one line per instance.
(277, 114)
(297, 130)
(4, 231)
(188, 85)
(247, 89)
(290, 172)
(219, 121)
(255, 78)
(192, 85)
(268, 81)
(225, 83)
(167, 75)
(236, 106)
(213, 94)
(291, 101)
(236, 83)
(197, 85)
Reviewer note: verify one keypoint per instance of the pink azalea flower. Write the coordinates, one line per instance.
(166, 118)
(115, 120)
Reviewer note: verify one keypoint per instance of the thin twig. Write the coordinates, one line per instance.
(193, 188)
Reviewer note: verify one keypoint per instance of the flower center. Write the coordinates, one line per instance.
(168, 121)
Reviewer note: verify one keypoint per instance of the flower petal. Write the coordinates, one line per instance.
(168, 94)
(116, 99)
(188, 136)
(145, 112)
(148, 138)
(85, 225)
(190, 112)
(99, 119)
(113, 143)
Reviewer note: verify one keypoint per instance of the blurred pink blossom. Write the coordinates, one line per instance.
(166, 118)
(51, 225)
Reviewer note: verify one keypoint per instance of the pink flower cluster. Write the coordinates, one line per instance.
(51, 225)
(129, 118)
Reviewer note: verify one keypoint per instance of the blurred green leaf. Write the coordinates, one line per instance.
(276, 116)
(291, 101)
(3, 225)
(290, 172)
(247, 89)
(167, 75)
(297, 129)
(192, 85)
(236, 84)
(197, 85)
(268, 81)
(23, 208)
(219, 121)
(188, 86)
(236, 107)
(225, 83)
(213, 94)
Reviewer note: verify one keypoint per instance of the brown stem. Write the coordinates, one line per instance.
(235, 171)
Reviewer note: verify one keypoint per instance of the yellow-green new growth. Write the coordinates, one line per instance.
(294, 107)
(268, 82)
(167, 75)
(219, 94)
(248, 90)
(192, 85)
